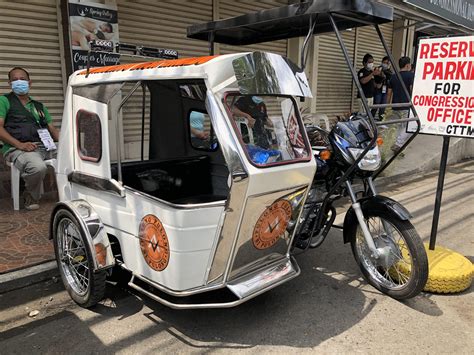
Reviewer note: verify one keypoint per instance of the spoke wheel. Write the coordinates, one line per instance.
(401, 271)
(75, 263)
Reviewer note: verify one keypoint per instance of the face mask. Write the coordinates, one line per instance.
(257, 100)
(385, 66)
(20, 87)
(369, 66)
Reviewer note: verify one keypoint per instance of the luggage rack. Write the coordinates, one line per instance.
(307, 19)
(129, 50)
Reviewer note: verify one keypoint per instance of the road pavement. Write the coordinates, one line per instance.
(329, 308)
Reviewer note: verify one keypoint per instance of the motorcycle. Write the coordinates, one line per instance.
(384, 243)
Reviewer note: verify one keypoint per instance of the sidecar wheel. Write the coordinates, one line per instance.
(74, 259)
(402, 271)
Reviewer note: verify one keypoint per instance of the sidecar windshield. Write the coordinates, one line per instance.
(268, 127)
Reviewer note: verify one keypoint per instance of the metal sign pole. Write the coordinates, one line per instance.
(439, 191)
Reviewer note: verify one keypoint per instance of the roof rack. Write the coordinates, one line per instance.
(134, 50)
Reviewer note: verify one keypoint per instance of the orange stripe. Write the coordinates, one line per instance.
(150, 65)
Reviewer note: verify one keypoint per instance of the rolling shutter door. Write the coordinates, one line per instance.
(334, 87)
(29, 38)
(232, 8)
(368, 42)
(163, 25)
(333, 77)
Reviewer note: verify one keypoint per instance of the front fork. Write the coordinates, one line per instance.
(360, 217)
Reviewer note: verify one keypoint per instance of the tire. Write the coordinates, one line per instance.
(74, 259)
(403, 271)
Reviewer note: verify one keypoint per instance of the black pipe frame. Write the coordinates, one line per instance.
(349, 171)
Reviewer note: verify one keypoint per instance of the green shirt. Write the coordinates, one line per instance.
(5, 106)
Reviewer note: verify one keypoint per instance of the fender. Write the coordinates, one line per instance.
(92, 228)
(379, 203)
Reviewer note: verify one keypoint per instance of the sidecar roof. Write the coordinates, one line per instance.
(292, 21)
(214, 68)
(249, 73)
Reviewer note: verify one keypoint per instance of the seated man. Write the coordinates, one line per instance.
(254, 110)
(22, 122)
(199, 138)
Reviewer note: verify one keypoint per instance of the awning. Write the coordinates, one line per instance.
(292, 21)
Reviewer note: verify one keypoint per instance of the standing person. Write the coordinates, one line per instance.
(22, 121)
(397, 95)
(366, 78)
(381, 90)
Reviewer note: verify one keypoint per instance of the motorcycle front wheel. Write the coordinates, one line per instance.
(401, 271)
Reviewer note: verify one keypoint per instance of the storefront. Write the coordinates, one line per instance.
(36, 35)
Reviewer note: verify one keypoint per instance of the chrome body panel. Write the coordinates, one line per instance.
(93, 229)
(244, 288)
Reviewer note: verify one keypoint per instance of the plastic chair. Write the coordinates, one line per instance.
(15, 181)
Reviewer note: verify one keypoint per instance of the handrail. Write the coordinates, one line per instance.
(117, 131)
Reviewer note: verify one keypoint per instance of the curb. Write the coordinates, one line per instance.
(25, 277)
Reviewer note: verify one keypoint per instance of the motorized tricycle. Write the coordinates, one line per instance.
(161, 188)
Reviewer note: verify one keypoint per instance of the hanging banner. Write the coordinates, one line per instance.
(89, 22)
(443, 91)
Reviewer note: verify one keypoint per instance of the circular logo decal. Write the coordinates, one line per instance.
(271, 225)
(154, 243)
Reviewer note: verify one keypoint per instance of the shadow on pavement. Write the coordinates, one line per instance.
(327, 299)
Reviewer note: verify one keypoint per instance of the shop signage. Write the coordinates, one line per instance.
(89, 22)
(443, 91)
(460, 12)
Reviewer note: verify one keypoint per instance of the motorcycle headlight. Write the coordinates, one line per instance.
(371, 161)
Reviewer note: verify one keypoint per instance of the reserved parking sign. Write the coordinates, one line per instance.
(443, 91)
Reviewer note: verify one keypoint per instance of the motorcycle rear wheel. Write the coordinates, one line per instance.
(403, 271)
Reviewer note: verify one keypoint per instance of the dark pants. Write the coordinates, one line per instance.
(379, 98)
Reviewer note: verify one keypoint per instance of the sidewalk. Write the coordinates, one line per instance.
(24, 239)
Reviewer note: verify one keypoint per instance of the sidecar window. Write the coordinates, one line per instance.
(269, 128)
(89, 133)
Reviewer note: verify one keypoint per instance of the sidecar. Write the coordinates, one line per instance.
(161, 188)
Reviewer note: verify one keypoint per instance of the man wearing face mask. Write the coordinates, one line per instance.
(22, 122)
(381, 82)
(366, 78)
(397, 95)
(254, 110)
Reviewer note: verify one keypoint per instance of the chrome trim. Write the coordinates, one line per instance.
(371, 185)
(96, 183)
(220, 225)
(117, 130)
(93, 229)
(228, 144)
(184, 306)
(269, 73)
(236, 288)
(361, 220)
(246, 286)
(228, 237)
(173, 205)
(236, 199)
(350, 191)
